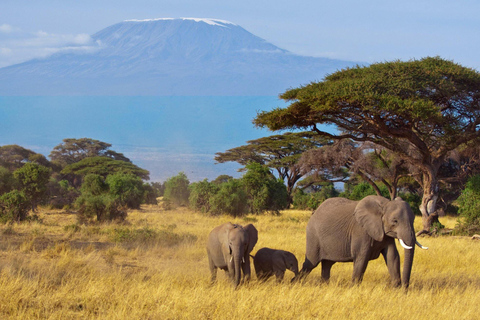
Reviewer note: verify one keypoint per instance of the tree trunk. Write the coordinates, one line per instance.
(429, 200)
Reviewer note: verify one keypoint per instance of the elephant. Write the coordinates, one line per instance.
(228, 248)
(343, 230)
(269, 262)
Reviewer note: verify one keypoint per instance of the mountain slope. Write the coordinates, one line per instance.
(168, 57)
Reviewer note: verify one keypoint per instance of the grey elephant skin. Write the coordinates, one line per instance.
(342, 230)
(228, 248)
(269, 262)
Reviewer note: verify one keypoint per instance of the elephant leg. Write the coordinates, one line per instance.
(359, 267)
(213, 270)
(392, 259)
(246, 270)
(279, 274)
(326, 267)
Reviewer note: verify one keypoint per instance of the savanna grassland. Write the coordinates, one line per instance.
(155, 266)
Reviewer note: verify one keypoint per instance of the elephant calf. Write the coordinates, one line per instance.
(269, 262)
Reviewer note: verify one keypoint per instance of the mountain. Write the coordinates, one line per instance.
(168, 57)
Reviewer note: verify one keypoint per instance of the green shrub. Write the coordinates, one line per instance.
(311, 200)
(176, 190)
(469, 206)
(364, 189)
(14, 206)
(127, 189)
(200, 194)
(230, 199)
(103, 207)
(265, 192)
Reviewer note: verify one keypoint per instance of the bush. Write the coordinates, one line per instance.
(230, 199)
(364, 189)
(96, 201)
(14, 206)
(103, 207)
(7, 180)
(176, 190)
(311, 200)
(61, 195)
(33, 179)
(469, 206)
(127, 189)
(265, 192)
(200, 194)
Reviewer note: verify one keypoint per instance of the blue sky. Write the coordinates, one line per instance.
(367, 31)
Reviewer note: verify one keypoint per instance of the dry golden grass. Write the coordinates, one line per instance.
(155, 267)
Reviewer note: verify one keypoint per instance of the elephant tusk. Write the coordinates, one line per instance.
(418, 244)
(243, 259)
(404, 245)
(231, 259)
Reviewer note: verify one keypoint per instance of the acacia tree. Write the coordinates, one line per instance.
(420, 109)
(278, 152)
(14, 156)
(344, 158)
(74, 150)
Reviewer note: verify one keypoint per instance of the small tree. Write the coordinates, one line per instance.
(128, 189)
(265, 192)
(33, 179)
(230, 199)
(176, 190)
(14, 206)
(200, 194)
(96, 202)
(469, 206)
(7, 180)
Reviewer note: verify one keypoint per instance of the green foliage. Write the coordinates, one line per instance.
(265, 193)
(231, 199)
(414, 200)
(103, 207)
(200, 194)
(150, 194)
(128, 189)
(7, 180)
(61, 194)
(104, 166)
(364, 189)
(94, 184)
(176, 190)
(304, 201)
(14, 156)
(469, 206)
(74, 150)
(14, 206)
(33, 179)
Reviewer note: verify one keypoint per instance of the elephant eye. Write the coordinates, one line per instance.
(395, 221)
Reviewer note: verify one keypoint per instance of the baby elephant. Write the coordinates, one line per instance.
(269, 262)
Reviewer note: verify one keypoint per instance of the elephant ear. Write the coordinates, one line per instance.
(252, 236)
(368, 214)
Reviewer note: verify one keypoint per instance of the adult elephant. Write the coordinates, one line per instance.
(228, 248)
(342, 230)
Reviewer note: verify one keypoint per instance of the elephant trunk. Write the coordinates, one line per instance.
(408, 258)
(237, 261)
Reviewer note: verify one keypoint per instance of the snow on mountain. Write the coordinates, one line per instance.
(167, 56)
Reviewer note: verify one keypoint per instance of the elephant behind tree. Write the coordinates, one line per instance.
(342, 230)
(228, 248)
(269, 262)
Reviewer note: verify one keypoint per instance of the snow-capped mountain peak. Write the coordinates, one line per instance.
(167, 56)
(213, 22)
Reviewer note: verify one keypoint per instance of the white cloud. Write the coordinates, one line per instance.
(6, 28)
(17, 46)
